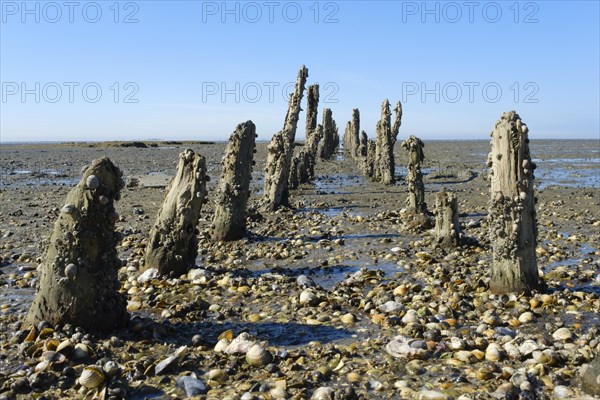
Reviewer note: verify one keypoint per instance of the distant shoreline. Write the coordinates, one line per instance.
(161, 143)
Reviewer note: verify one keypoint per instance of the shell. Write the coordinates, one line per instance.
(307, 297)
(323, 393)
(402, 347)
(65, 346)
(71, 271)
(240, 344)
(80, 351)
(562, 334)
(258, 356)
(493, 352)
(92, 182)
(222, 345)
(91, 377)
(54, 357)
(111, 368)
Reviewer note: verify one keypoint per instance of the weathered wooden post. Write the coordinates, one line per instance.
(78, 281)
(512, 217)
(447, 227)
(351, 135)
(330, 140)
(416, 189)
(384, 147)
(173, 244)
(397, 122)
(229, 221)
(281, 150)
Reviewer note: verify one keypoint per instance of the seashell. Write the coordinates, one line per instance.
(391, 306)
(307, 297)
(562, 334)
(535, 302)
(547, 299)
(103, 200)
(518, 379)
(278, 393)
(305, 282)
(241, 344)
(54, 357)
(71, 271)
(91, 377)
(404, 347)
(323, 393)
(80, 351)
(465, 356)
(258, 356)
(222, 345)
(42, 366)
(46, 332)
(51, 344)
(68, 209)
(325, 371)
(410, 317)
(400, 290)
(348, 318)
(484, 374)
(92, 182)
(526, 317)
(512, 351)
(457, 343)
(168, 363)
(217, 375)
(547, 357)
(493, 352)
(528, 347)
(111, 368)
(31, 335)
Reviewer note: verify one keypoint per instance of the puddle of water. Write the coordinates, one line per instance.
(19, 299)
(334, 211)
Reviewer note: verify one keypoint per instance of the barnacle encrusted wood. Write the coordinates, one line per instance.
(229, 221)
(512, 218)
(416, 189)
(281, 150)
(78, 281)
(173, 243)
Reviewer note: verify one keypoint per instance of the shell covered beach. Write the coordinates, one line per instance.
(339, 297)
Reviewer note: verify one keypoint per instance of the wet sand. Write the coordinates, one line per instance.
(343, 225)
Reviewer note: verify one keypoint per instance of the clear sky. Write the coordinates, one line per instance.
(110, 70)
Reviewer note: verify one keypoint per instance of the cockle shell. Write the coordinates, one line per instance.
(258, 356)
(91, 377)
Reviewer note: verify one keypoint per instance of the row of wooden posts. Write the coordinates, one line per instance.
(79, 283)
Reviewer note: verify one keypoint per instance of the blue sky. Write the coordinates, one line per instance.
(194, 69)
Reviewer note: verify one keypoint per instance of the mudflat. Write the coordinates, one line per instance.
(342, 291)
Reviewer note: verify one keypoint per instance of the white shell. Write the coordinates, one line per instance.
(91, 377)
(258, 356)
(323, 393)
(307, 297)
(92, 182)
